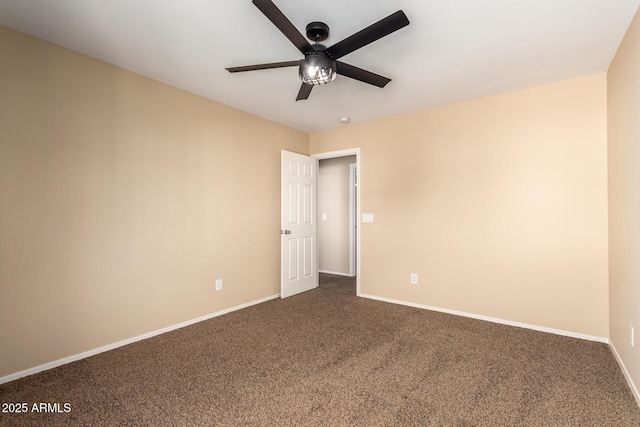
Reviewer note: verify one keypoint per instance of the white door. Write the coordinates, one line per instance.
(299, 271)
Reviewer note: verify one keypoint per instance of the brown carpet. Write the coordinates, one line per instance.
(328, 358)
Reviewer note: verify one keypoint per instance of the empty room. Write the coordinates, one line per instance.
(279, 212)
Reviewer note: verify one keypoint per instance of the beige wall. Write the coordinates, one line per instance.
(624, 200)
(121, 201)
(498, 204)
(333, 200)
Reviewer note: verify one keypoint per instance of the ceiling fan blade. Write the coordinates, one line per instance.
(285, 26)
(304, 92)
(373, 32)
(263, 66)
(362, 75)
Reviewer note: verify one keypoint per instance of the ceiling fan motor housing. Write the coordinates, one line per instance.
(317, 31)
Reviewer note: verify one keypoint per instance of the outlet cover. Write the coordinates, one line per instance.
(414, 279)
(218, 284)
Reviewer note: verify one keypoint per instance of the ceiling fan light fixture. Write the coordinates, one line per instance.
(317, 69)
(321, 64)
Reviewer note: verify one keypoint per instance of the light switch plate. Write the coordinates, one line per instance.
(367, 217)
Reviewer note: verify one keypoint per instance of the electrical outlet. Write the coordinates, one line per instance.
(414, 279)
(632, 338)
(218, 284)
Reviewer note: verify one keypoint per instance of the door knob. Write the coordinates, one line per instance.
(285, 231)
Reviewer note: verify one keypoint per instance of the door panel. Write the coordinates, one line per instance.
(293, 203)
(292, 256)
(307, 204)
(298, 224)
(307, 268)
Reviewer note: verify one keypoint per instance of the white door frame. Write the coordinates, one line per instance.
(344, 153)
(353, 217)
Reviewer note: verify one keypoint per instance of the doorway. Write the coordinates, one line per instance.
(338, 210)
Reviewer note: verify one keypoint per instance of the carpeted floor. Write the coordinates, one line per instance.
(328, 358)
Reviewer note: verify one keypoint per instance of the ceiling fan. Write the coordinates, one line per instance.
(320, 64)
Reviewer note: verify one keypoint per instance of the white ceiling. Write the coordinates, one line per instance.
(453, 50)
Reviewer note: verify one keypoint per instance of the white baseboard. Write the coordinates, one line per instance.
(632, 386)
(99, 350)
(491, 319)
(335, 273)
